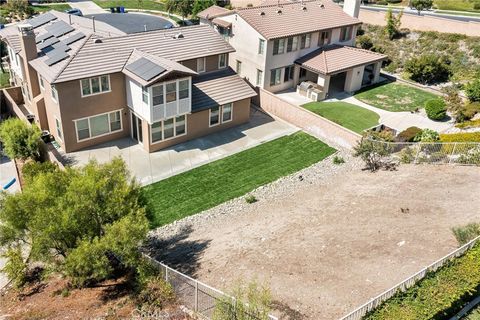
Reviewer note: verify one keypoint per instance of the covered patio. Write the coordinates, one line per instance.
(335, 69)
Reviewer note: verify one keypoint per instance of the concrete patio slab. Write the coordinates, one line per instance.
(152, 167)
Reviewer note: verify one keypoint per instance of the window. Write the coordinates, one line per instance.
(40, 82)
(214, 116)
(169, 128)
(305, 41)
(54, 94)
(99, 125)
(157, 95)
(221, 114)
(259, 77)
(227, 112)
(346, 34)
(292, 44)
(222, 61)
(275, 76)
(183, 89)
(145, 95)
(288, 75)
(59, 128)
(261, 46)
(171, 91)
(95, 85)
(278, 46)
(303, 73)
(239, 67)
(324, 38)
(201, 64)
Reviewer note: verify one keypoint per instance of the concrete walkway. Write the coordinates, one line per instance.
(87, 7)
(152, 167)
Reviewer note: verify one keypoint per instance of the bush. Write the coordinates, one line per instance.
(250, 199)
(472, 90)
(436, 109)
(20, 140)
(338, 160)
(466, 233)
(440, 295)
(394, 1)
(373, 153)
(382, 2)
(460, 137)
(407, 155)
(428, 68)
(156, 293)
(467, 111)
(476, 5)
(365, 42)
(408, 135)
(427, 135)
(32, 169)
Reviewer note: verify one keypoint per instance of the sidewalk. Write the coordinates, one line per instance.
(87, 7)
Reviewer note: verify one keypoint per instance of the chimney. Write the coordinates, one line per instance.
(351, 7)
(28, 43)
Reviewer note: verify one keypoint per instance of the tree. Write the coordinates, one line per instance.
(472, 90)
(393, 23)
(200, 5)
(183, 7)
(428, 68)
(80, 221)
(21, 8)
(20, 140)
(420, 5)
(373, 152)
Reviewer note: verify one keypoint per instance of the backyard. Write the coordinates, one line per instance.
(39, 8)
(132, 4)
(219, 181)
(395, 97)
(345, 114)
(345, 236)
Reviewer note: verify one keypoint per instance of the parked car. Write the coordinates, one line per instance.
(75, 12)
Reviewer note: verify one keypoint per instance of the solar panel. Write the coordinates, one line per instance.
(145, 69)
(41, 19)
(61, 46)
(42, 37)
(47, 43)
(55, 56)
(73, 38)
(59, 28)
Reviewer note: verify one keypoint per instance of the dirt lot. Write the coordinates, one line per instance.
(336, 243)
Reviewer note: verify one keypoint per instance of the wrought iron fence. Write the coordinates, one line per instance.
(199, 297)
(464, 153)
(361, 311)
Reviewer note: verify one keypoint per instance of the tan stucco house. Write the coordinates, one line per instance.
(304, 45)
(88, 83)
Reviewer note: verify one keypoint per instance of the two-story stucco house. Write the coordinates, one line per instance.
(302, 45)
(90, 83)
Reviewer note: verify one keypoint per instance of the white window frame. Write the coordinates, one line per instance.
(99, 82)
(283, 46)
(348, 33)
(146, 93)
(174, 130)
(238, 67)
(294, 44)
(54, 93)
(201, 61)
(220, 115)
(58, 122)
(41, 83)
(259, 79)
(90, 130)
(220, 66)
(261, 46)
(280, 77)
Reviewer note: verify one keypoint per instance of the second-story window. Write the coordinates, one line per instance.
(157, 95)
(183, 89)
(239, 67)
(261, 46)
(201, 64)
(292, 44)
(346, 34)
(222, 61)
(305, 41)
(278, 46)
(40, 82)
(259, 77)
(95, 85)
(324, 38)
(54, 94)
(145, 95)
(171, 91)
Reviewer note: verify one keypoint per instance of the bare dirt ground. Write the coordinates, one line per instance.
(331, 245)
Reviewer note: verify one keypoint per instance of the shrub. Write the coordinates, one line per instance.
(428, 68)
(460, 137)
(251, 199)
(466, 233)
(32, 169)
(468, 111)
(427, 135)
(421, 4)
(338, 160)
(373, 153)
(156, 293)
(20, 140)
(382, 2)
(408, 135)
(472, 90)
(394, 1)
(436, 109)
(476, 5)
(365, 42)
(407, 155)
(393, 23)
(452, 100)
(440, 295)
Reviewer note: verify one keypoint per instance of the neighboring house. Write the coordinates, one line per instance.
(304, 45)
(88, 83)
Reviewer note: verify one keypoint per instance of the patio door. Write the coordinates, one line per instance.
(137, 133)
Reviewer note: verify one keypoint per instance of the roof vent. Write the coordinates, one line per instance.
(178, 36)
(322, 6)
(97, 40)
(262, 13)
(279, 11)
(304, 8)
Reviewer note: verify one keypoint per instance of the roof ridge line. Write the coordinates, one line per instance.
(281, 4)
(71, 58)
(136, 34)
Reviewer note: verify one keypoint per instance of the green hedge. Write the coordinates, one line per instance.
(436, 109)
(460, 137)
(440, 295)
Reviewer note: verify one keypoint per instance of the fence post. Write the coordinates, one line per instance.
(166, 275)
(418, 152)
(196, 297)
(453, 151)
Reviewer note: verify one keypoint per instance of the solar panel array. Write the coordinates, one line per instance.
(48, 42)
(73, 38)
(145, 69)
(55, 56)
(41, 20)
(43, 37)
(59, 28)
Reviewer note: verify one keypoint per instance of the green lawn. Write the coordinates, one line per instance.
(4, 80)
(395, 97)
(132, 4)
(473, 315)
(457, 5)
(214, 183)
(345, 114)
(58, 6)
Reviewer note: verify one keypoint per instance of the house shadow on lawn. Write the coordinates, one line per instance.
(177, 252)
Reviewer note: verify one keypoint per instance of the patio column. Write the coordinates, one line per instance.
(296, 76)
(376, 71)
(323, 80)
(353, 81)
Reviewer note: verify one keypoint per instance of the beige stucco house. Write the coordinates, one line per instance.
(86, 82)
(303, 45)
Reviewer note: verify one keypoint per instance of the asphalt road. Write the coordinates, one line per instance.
(133, 22)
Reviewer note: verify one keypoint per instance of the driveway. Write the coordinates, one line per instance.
(152, 167)
(87, 7)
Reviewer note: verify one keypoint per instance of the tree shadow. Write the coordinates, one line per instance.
(177, 251)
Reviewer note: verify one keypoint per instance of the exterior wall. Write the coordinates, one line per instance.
(353, 81)
(211, 63)
(198, 125)
(73, 106)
